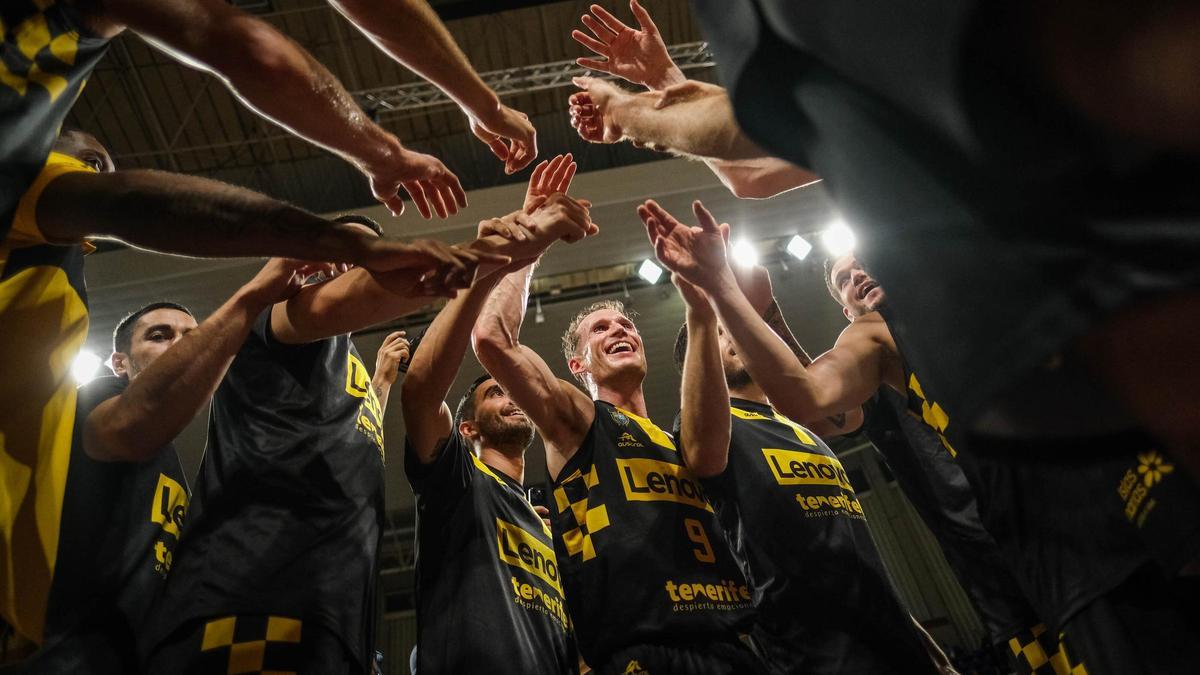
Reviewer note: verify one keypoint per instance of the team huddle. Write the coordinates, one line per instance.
(1021, 374)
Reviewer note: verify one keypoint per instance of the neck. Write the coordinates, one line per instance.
(629, 398)
(510, 463)
(750, 392)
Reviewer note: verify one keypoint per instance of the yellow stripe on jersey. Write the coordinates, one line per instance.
(656, 435)
(45, 323)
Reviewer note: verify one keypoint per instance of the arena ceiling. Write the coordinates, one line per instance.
(153, 112)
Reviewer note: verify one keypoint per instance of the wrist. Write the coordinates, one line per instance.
(385, 152)
(669, 77)
(483, 106)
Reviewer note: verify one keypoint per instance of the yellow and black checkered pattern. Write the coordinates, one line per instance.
(1036, 651)
(263, 645)
(573, 494)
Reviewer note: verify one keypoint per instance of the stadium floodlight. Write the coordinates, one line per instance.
(84, 367)
(798, 247)
(743, 253)
(838, 239)
(649, 271)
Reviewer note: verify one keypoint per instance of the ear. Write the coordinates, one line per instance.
(846, 311)
(120, 364)
(467, 430)
(575, 365)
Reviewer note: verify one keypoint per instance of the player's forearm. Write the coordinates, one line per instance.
(353, 301)
(164, 398)
(499, 322)
(773, 317)
(704, 404)
(411, 32)
(771, 362)
(761, 177)
(189, 215)
(382, 387)
(702, 127)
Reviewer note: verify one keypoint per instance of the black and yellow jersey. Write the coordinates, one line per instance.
(287, 511)
(642, 556)
(934, 482)
(1073, 516)
(825, 602)
(120, 523)
(489, 593)
(43, 324)
(45, 60)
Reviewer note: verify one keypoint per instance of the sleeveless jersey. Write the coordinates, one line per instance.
(287, 511)
(488, 583)
(825, 602)
(45, 59)
(642, 556)
(934, 483)
(43, 324)
(1074, 517)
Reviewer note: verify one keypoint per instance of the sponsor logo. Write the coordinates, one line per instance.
(1139, 481)
(628, 441)
(693, 596)
(167, 510)
(795, 467)
(525, 551)
(370, 414)
(649, 480)
(634, 668)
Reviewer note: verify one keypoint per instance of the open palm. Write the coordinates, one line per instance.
(695, 253)
(638, 55)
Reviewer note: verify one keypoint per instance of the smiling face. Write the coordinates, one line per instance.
(609, 348)
(498, 422)
(153, 334)
(857, 292)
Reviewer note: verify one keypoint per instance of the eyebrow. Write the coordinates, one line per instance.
(157, 326)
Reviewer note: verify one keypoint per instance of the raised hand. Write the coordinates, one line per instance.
(565, 218)
(513, 126)
(548, 177)
(637, 55)
(432, 187)
(695, 253)
(695, 299)
(436, 268)
(392, 355)
(592, 110)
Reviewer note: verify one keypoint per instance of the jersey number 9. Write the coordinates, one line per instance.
(695, 532)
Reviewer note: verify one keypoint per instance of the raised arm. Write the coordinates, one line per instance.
(163, 398)
(704, 396)
(393, 354)
(282, 82)
(411, 32)
(193, 216)
(838, 380)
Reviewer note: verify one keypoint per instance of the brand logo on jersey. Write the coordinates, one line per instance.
(36, 45)
(1139, 481)
(370, 413)
(521, 549)
(168, 510)
(794, 467)
(619, 417)
(725, 594)
(649, 480)
(628, 441)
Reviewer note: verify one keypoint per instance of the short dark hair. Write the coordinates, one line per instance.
(570, 337)
(828, 267)
(361, 220)
(123, 334)
(466, 405)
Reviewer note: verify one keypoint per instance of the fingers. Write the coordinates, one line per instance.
(601, 31)
(584, 83)
(666, 220)
(564, 183)
(643, 17)
(611, 22)
(521, 154)
(535, 178)
(548, 176)
(706, 220)
(414, 190)
(493, 141)
(558, 171)
(434, 195)
(725, 232)
(590, 42)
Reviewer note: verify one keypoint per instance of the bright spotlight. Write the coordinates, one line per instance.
(649, 271)
(798, 247)
(84, 367)
(838, 239)
(743, 253)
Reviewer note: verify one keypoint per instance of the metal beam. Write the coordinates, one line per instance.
(156, 125)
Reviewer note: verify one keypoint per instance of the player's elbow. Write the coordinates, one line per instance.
(708, 462)
(248, 52)
(491, 340)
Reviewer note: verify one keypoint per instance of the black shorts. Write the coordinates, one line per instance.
(253, 644)
(711, 658)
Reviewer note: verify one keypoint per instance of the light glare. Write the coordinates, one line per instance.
(838, 239)
(744, 254)
(83, 368)
(649, 271)
(798, 247)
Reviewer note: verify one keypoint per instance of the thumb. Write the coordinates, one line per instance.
(583, 83)
(706, 220)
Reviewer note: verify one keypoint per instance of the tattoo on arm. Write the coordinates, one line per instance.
(774, 319)
(838, 420)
